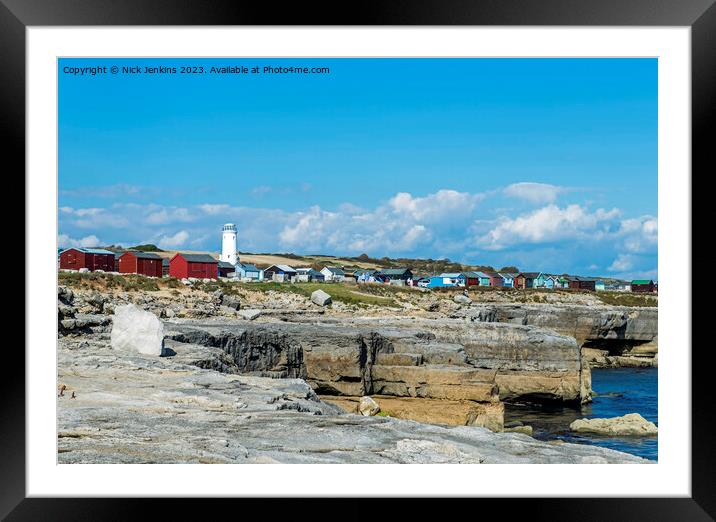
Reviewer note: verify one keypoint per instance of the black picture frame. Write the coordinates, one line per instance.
(699, 15)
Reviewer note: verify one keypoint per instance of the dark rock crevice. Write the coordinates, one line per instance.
(265, 353)
(275, 354)
(618, 346)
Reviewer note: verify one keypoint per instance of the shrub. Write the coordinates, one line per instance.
(173, 282)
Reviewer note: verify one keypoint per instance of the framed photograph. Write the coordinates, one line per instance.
(448, 235)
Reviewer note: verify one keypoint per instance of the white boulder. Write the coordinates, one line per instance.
(368, 407)
(321, 298)
(250, 315)
(83, 270)
(135, 330)
(462, 299)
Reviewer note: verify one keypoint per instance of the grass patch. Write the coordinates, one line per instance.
(172, 282)
(99, 281)
(628, 299)
(353, 295)
(223, 286)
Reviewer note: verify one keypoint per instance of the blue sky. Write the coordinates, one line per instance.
(549, 164)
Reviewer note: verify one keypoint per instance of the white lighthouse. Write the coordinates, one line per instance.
(228, 244)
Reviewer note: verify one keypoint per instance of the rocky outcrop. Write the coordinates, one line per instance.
(631, 424)
(259, 351)
(132, 408)
(82, 324)
(597, 358)
(490, 415)
(525, 362)
(627, 336)
(230, 301)
(448, 359)
(451, 359)
(581, 322)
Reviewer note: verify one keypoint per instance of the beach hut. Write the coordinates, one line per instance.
(446, 280)
(365, 275)
(90, 258)
(642, 285)
(508, 279)
(246, 271)
(526, 279)
(333, 274)
(200, 266)
(540, 281)
(495, 279)
(471, 279)
(143, 263)
(279, 273)
(226, 269)
(581, 283)
(397, 274)
(307, 275)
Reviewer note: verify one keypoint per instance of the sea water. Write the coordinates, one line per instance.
(617, 392)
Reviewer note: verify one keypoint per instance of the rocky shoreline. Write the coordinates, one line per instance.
(141, 409)
(448, 364)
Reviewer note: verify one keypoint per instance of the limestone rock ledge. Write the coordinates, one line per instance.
(134, 408)
(446, 359)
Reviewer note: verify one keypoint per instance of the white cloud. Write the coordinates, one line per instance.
(622, 263)
(640, 234)
(550, 224)
(175, 241)
(93, 218)
(65, 241)
(170, 215)
(538, 193)
(215, 210)
(82, 212)
(107, 191)
(261, 190)
(402, 225)
(311, 229)
(441, 206)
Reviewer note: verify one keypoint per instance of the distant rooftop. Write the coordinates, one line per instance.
(451, 275)
(530, 275)
(394, 271)
(198, 258)
(90, 250)
(143, 255)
